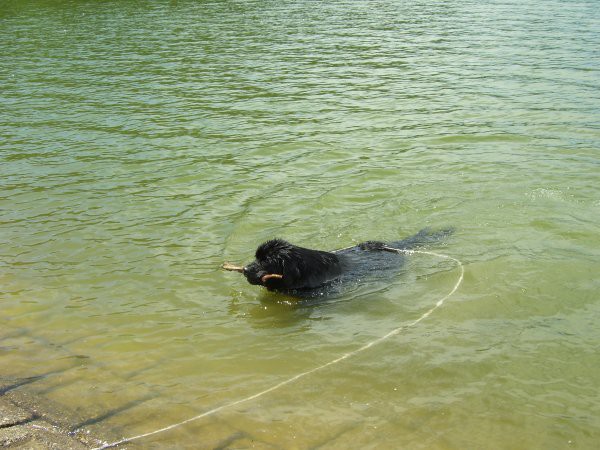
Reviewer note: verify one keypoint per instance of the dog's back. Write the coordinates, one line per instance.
(370, 260)
(424, 237)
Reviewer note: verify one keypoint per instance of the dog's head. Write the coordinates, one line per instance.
(280, 265)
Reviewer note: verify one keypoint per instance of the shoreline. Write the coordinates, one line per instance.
(28, 421)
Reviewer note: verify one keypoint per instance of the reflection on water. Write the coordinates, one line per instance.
(142, 145)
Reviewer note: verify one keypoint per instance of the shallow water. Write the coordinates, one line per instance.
(142, 144)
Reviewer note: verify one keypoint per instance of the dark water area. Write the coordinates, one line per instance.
(144, 143)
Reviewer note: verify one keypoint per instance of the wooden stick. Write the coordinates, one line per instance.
(270, 276)
(233, 268)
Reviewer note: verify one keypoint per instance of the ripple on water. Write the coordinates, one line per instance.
(142, 147)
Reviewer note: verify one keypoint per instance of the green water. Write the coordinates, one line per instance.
(144, 143)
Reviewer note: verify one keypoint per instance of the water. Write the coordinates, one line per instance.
(143, 143)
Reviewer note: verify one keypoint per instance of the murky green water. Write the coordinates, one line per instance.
(144, 143)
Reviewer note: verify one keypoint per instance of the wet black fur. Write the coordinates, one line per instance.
(307, 273)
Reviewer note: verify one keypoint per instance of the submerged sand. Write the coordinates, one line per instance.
(25, 423)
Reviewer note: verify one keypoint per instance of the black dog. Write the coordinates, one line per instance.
(302, 272)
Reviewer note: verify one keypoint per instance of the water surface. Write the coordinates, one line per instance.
(143, 143)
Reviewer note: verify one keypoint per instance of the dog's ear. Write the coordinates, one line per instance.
(292, 271)
(286, 259)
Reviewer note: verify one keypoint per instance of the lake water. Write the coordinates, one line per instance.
(144, 143)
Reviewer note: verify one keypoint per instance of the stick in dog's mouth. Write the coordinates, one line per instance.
(240, 269)
(232, 267)
(271, 276)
